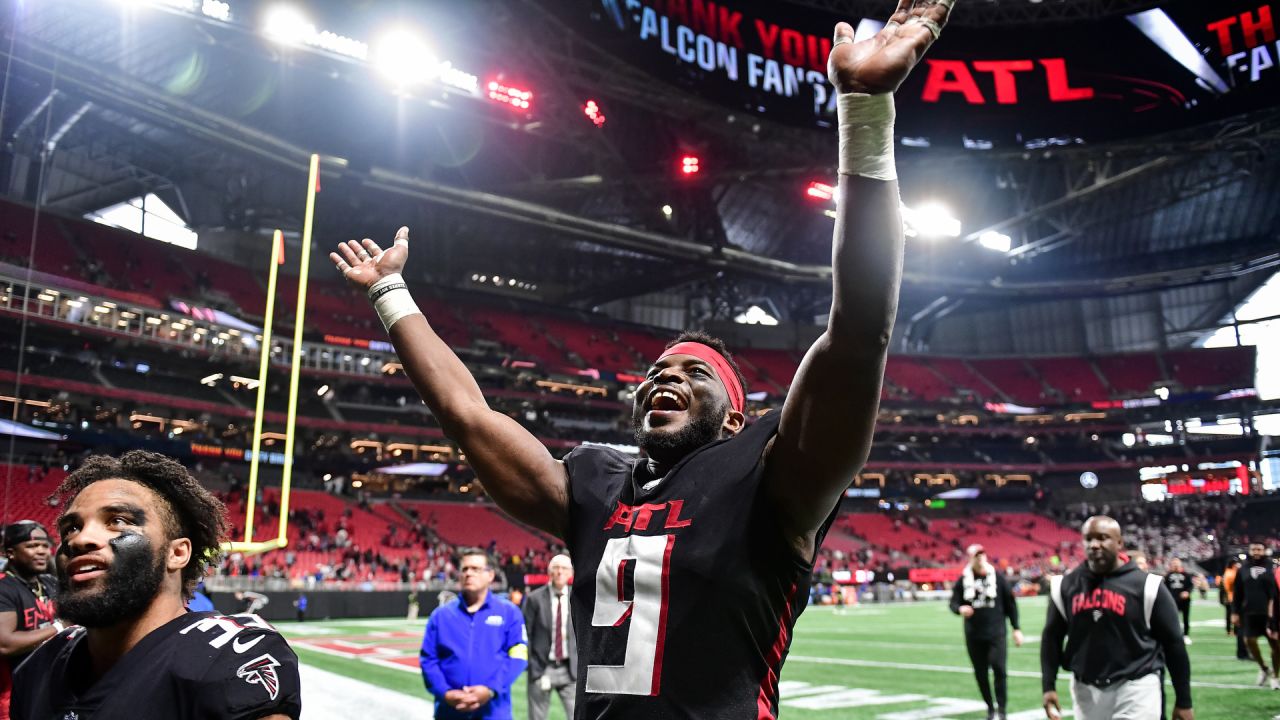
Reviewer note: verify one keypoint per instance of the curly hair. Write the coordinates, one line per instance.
(714, 343)
(192, 511)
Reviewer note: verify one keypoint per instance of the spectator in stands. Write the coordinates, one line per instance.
(1254, 611)
(553, 646)
(27, 595)
(984, 599)
(474, 647)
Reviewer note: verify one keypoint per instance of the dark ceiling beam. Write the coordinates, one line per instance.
(632, 287)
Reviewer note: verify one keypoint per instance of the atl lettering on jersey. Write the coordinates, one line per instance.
(638, 517)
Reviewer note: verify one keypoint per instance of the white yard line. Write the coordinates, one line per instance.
(850, 662)
(329, 696)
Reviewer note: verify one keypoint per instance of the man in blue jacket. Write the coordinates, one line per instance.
(474, 648)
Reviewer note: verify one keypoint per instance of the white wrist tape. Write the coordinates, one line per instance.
(866, 135)
(391, 299)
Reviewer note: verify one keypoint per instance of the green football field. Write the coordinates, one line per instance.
(887, 662)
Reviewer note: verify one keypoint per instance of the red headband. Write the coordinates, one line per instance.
(709, 355)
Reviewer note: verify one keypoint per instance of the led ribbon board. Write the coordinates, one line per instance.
(1178, 65)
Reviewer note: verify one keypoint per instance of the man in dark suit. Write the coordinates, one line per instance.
(553, 648)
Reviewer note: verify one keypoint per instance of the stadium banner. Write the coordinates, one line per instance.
(1182, 63)
(331, 604)
(934, 575)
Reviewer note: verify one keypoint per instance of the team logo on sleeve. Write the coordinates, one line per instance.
(262, 671)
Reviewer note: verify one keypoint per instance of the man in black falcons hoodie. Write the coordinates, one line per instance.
(1116, 620)
(1254, 610)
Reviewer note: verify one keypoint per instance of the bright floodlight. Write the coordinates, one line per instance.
(932, 220)
(993, 240)
(756, 315)
(287, 25)
(403, 58)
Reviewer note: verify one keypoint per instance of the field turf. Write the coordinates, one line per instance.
(882, 662)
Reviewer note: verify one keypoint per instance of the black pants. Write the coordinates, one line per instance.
(990, 655)
(1185, 609)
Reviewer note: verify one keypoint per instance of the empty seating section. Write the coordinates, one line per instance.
(445, 321)
(136, 262)
(54, 254)
(1073, 377)
(967, 383)
(526, 339)
(28, 493)
(647, 345)
(475, 526)
(775, 368)
(333, 308)
(1130, 374)
(1018, 539)
(917, 378)
(1211, 367)
(1043, 529)
(1013, 377)
(884, 533)
(593, 344)
(218, 277)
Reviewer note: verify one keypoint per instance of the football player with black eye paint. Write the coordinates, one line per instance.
(138, 533)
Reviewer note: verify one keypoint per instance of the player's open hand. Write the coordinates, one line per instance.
(364, 263)
(1183, 714)
(880, 63)
(1018, 639)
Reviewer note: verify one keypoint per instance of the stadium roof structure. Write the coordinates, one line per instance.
(103, 104)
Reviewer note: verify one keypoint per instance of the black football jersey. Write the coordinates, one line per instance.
(685, 591)
(200, 666)
(33, 611)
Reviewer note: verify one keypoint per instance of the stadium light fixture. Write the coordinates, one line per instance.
(819, 191)
(690, 165)
(287, 25)
(997, 241)
(593, 111)
(756, 315)
(216, 9)
(667, 211)
(517, 98)
(932, 220)
(403, 58)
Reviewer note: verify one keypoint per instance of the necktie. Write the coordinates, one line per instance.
(557, 652)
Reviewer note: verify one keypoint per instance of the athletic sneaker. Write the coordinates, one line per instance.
(1275, 683)
(1263, 676)
(1186, 640)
